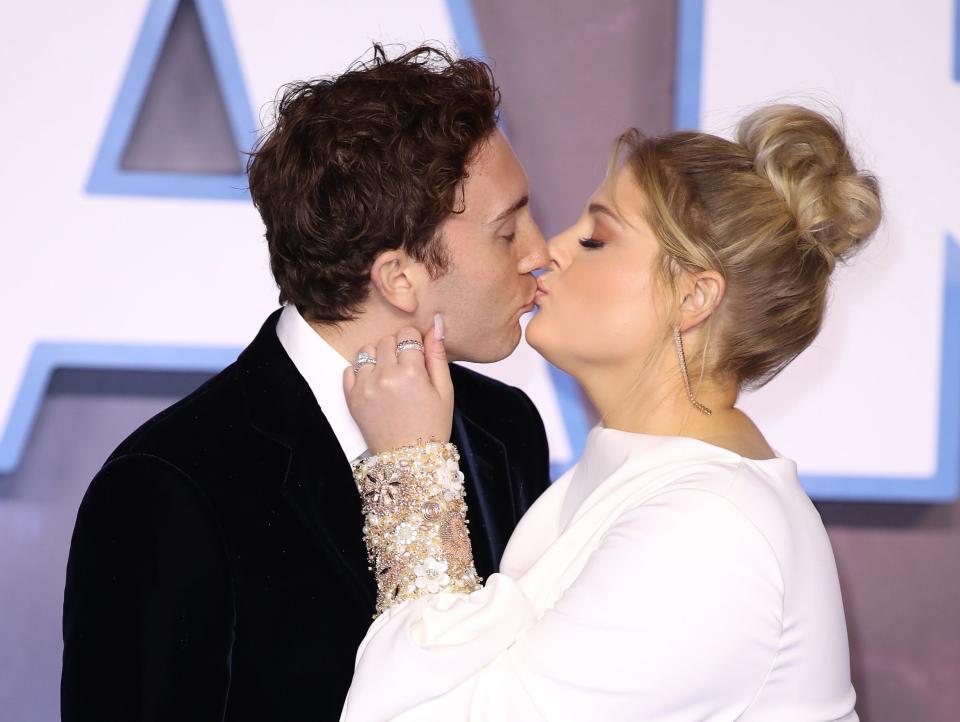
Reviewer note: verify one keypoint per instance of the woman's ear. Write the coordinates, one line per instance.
(703, 294)
(394, 275)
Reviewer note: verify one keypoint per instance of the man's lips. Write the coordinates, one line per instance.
(538, 292)
(533, 299)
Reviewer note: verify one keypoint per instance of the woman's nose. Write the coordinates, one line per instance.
(559, 248)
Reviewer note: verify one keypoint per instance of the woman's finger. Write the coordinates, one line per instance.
(387, 353)
(435, 355)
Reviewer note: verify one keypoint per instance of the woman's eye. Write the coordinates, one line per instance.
(591, 243)
(509, 238)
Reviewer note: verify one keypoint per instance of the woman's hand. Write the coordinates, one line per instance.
(407, 396)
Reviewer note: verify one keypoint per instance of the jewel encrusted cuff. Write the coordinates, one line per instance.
(416, 522)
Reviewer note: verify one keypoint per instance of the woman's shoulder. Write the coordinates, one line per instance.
(755, 486)
(690, 482)
(765, 495)
(697, 527)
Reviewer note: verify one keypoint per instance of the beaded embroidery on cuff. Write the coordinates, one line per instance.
(416, 523)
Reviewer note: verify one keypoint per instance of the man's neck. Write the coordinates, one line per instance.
(348, 337)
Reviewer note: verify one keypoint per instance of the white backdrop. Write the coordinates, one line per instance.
(864, 399)
(167, 282)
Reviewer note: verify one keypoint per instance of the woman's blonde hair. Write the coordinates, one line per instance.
(772, 212)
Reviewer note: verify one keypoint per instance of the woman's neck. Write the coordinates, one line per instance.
(666, 409)
(659, 405)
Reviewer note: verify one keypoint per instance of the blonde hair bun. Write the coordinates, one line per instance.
(804, 157)
(773, 212)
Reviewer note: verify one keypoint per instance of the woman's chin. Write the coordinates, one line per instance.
(534, 334)
(548, 346)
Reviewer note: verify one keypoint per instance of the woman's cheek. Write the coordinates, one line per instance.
(620, 296)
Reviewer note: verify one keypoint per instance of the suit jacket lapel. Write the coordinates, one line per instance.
(319, 487)
(490, 504)
(316, 481)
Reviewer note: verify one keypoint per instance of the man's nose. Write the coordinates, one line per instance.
(535, 255)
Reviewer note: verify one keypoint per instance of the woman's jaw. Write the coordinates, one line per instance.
(644, 394)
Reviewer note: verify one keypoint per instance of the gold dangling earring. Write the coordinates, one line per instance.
(683, 372)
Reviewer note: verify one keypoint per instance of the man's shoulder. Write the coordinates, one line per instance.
(212, 412)
(214, 422)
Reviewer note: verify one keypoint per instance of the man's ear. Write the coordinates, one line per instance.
(702, 294)
(394, 275)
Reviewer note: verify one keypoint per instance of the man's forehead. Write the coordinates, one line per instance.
(496, 184)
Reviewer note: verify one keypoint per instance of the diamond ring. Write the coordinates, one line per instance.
(409, 344)
(363, 358)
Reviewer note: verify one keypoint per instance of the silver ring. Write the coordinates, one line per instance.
(409, 344)
(363, 359)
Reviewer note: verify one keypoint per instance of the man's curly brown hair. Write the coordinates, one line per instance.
(366, 162)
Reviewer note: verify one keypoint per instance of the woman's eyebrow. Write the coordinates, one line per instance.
(602, 210)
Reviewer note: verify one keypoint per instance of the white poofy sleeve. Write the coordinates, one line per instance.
(676, 615)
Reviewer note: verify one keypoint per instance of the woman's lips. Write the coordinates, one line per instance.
(541, 291)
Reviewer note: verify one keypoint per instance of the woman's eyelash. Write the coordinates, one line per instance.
(591, 243)
(509, 238)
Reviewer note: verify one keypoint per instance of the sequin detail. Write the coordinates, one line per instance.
(416, 530)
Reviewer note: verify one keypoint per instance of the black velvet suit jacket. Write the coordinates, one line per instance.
(217, 569)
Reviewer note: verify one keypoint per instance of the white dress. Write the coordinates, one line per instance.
(662, 578)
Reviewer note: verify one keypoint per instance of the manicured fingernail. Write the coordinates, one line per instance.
(438, 326)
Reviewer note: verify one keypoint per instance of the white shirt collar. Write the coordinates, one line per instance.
(322, 368)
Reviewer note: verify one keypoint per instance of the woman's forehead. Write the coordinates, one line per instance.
(620, 200)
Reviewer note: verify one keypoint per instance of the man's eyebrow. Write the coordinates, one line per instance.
(522, 203)
(602, 210)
